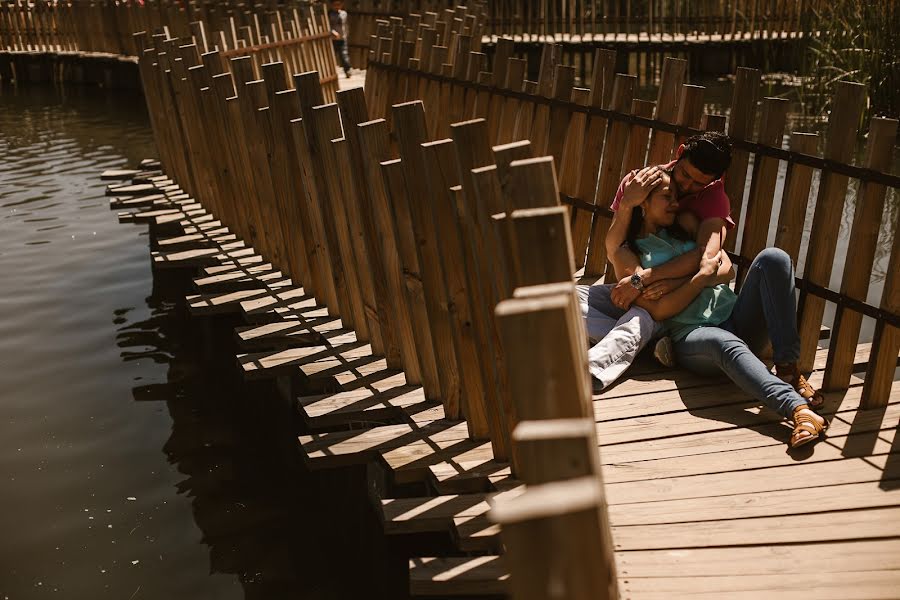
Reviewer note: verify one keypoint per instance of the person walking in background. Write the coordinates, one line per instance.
(337, 19)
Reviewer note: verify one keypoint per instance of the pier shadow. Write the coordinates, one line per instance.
(281, 531)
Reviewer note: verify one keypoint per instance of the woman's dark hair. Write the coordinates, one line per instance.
(637, 222)
(709, 151)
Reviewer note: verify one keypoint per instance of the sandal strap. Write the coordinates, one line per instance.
(807, 422)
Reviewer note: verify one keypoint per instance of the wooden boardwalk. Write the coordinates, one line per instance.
(433, 281)
(704, 500)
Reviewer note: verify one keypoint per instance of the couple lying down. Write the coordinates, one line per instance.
(666, 244)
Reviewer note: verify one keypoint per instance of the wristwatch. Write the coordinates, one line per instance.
(637, 283)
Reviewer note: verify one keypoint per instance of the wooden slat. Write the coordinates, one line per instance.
(863, 243)
(847, 107)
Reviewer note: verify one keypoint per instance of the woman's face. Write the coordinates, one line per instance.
(661, 206)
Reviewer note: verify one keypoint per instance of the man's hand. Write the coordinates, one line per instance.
(640, 186)
(660, 288)
(624, 294)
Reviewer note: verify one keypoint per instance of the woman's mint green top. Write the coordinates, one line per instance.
(714, 304)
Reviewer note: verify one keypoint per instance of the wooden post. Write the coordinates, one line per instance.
(661, 142)
(795, 199)
(375, 149)
(515, 79)
(323, 125)
(860, 256)
(540, 246)
(762, 184)
(573, 148)
(476, 397)
(547, 371)
(636, 149)
(595, 137)
(839, 145)
(397, 196)
(610, 171)
(886, 344)
(352, 104)
(558, 542)
(690, 111)
(409, 123)
(309, 94)
(740, 126)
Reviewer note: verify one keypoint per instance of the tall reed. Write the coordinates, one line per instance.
(853, 40)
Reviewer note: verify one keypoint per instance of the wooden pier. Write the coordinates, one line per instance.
(403, 260)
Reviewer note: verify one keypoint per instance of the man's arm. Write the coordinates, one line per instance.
(677, 300)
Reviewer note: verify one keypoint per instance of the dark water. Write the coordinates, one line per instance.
(132, 464)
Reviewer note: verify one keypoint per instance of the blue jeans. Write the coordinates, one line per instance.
(765, 309)
(616, 335)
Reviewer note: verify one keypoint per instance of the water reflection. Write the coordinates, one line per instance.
(280, 531)
(131, 466)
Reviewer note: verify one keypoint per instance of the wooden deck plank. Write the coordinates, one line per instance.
(868, 585)
(479, 575)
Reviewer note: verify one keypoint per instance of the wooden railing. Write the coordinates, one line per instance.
(299, 37)
(597, 20)
(108, 25)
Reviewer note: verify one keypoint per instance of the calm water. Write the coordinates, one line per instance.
(130, 467)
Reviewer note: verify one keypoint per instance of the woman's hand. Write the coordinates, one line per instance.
(640, 186)
(657, 290)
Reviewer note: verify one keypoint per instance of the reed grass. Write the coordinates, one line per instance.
(858, 41)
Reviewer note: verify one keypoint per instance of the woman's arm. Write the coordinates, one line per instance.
(677, 300)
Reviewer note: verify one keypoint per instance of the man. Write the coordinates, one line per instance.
(696, 173)
(337, 19)
(619, 327)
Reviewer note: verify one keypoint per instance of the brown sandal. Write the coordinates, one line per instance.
(804, 422)
(814, 398)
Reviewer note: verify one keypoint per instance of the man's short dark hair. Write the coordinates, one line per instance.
(709, 151)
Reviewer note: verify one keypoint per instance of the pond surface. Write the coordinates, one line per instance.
(131, 469)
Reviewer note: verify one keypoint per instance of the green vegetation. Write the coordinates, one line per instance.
(854, 40)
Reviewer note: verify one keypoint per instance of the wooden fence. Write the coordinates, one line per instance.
(599, 134)
(299, 37)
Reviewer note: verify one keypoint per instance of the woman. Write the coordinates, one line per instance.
(712, 328)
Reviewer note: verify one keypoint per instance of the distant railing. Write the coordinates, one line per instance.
(596, 20)
(296, 34)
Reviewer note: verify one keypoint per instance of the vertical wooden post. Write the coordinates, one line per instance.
(860, 256)
(690, 110)
(476, 397)
(740, 126)
(762, 184)
(375, 149)
(661, 142)
(795, 199)
(610, 171)
(595, 137)
(352, 104)
(636, 149)
(886, 344)
(409, 122)
(839, 145)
